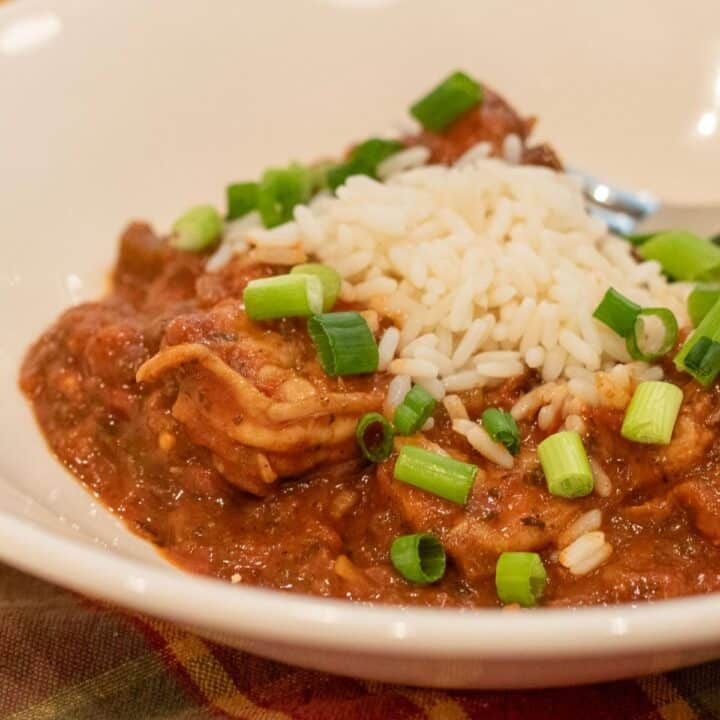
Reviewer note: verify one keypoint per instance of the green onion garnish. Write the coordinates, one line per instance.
(242, 198)
(709, 328)
(374, 435)
(635, 343)
(502, 428)
(370, 153)
(617, 312)
(642, 238)
(280, 190)
(565, 464)
(520, 577)
(626, 318)
(652, 412)
(418, 558)
(318, 175)
(283, 296)
(703, 360)
(683, 255)
(337, 175)
(344, 343)
(197, 229)
(329, 277)
(447, 102)
(437, 474)
(413, 412)
(701, 299)
(363, 160)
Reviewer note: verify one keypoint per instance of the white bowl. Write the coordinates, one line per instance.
(136, 109)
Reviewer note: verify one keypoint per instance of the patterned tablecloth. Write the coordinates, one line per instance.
(63, 656)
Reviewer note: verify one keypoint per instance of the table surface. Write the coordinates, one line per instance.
(63, 656)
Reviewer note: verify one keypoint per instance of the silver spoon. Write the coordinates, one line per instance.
(631, 212)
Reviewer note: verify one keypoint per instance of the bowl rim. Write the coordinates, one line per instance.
(286, 618)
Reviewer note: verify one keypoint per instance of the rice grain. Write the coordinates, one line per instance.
(387, 347)
(586, 553)
(587, 522)
(601, 480)
(414, 368)
(486, 446)
(455, 407)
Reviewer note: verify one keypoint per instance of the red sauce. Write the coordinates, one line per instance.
(237, 459)
(123, 441)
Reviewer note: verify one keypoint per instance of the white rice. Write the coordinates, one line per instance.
(405, 160)
(478, 151)
(387, 346)
(512, 148)
(484, 270)
(464, 380)
(476, 435)
(399, 387)
(535, 357)
(587, 522)
(601, 480)
(286, 235)
(220, 258)
(575, 423)
(549, 414)
(455, 407)
(415, 368)
(586, 553)
(434, 387)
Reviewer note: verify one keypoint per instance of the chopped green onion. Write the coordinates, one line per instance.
(329, 277)
(318, 175)
(437, 474)
(683, 255)
(280, 190)
(709, 328)
(340, 173)
(344, 343)
(626, 318)
(694, 359)
(617, 312)
(242, 198)
(502, 428)
(413, 412)
(635, 343)
(565, 464)
(283, 296)
(197, 229)
(642, 239)
(374, 435)
(419, 558)
(652, 412)
(703, 360)
(520, 577)
(701, 299)
(370, 153)
(447, 102)
(363, 160)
